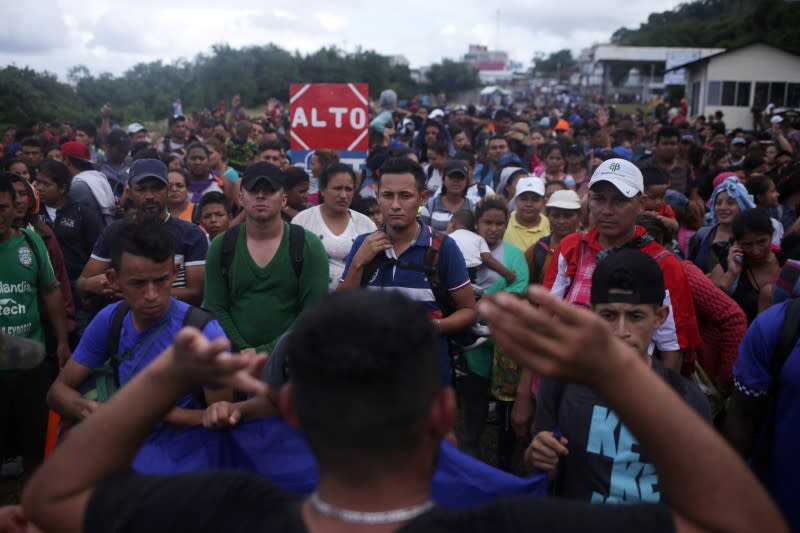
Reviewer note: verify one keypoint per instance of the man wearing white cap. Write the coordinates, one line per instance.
(137, 133)
(527, 224)
(615, 200)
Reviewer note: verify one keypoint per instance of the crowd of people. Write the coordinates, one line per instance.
(679, 238)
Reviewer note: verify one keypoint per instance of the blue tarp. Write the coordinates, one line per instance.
(272, 448)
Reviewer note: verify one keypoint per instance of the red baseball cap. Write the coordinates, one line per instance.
(76, 150)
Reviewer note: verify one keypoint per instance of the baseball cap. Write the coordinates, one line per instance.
(687, 138)
(75, 150)
(529, 184)
(631, 271)
(148, 168)
(519, 136)
(118, 138)
(738, 140)
(257, 172)
(436, 113)
(565, 199)
(777, 119)
(135, 128)
(456, 166)
(624, 175)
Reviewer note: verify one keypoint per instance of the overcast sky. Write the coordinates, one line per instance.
(111, 36)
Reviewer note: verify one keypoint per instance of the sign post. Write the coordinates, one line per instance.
(333, 116)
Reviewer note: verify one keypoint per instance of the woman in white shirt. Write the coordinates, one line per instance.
(333, 221)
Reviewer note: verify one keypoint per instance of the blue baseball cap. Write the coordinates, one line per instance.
(147, 168)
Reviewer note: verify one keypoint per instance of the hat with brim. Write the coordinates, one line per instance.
(143, 169)
(564, 200)
(262, 172)
(76, 150)
(624, 175)
(529, 184)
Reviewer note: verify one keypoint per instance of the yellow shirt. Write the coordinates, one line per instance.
(523, 237)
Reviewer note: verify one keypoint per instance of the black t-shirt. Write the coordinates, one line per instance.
(605, 463)
(239, 501)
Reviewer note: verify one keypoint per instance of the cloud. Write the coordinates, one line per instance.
(33, 27)
(114, 36)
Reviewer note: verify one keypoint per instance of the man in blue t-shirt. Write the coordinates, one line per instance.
(148, 186)
(143, 270)
(404, 241)
(750, 423)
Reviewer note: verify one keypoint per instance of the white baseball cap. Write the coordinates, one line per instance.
(624, 175)
(565, 199)
(530, 184)
(135, 128)
(777, 119)
(436, 113)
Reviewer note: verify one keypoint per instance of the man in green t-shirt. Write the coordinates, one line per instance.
(261, 295)
(26, 278)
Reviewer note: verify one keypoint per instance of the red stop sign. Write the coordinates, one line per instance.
(329, 116)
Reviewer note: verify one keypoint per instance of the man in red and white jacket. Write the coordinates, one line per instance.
(615, 201)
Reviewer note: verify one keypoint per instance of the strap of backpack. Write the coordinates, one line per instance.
(431, 269)
(229, 239)
(114, 331)
(198, 318)
(297, 240)
(787, 340)
(481, 189)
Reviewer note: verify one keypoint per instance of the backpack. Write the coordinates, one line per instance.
(297, 239)
(541, 250)
(787, 340)
(104, 381)
(430, 268)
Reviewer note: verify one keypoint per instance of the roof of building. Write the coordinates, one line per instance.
(728, 51)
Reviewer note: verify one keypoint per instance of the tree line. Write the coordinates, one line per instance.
(256, 73)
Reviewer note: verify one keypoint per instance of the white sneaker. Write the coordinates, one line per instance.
(12, 467)
(480, 341)
(481, 330)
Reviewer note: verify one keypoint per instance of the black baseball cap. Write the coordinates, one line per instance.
(456, 166)
(148, 168)
(634, 273)
(256, 172)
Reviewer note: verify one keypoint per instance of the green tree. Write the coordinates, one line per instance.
(556, 64)
(452, 76)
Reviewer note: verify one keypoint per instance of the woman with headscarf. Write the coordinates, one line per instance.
(709, 246)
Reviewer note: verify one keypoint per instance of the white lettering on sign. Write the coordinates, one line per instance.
(299, 118)
(337, 112)
(315, 122)
(357, 117)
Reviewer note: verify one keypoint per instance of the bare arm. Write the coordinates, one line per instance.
(672, 360)
(572, 344)
(489, 260)
(193, 292)
(744, 417)
(465, 314)
(93, 279)
(56, 497)
(54, 305)
(63, 396)
(374, 244)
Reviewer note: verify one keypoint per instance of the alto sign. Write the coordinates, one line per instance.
(331, 116)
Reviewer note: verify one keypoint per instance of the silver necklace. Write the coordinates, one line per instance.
(364, 517)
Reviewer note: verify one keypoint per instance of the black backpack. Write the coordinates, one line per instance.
(297, 239)
(195, 317)
(430, 268)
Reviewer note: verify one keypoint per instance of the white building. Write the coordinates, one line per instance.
(649, 62)
(737, 80)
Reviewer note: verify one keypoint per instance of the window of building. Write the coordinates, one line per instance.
(793, 95)
(729, 93)
(714, 96)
